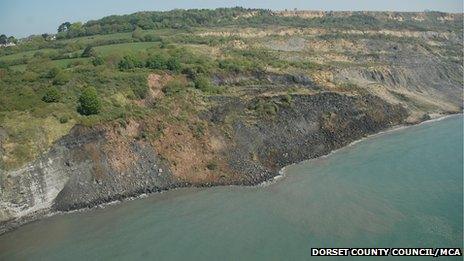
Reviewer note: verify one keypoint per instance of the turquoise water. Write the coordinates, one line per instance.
(399, 189)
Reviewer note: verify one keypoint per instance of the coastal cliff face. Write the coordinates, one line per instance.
(91, 166)
(87, 167)
(303, 127)
(341, 85)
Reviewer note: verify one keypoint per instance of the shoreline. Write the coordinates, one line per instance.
(440, 117)
(11, 225)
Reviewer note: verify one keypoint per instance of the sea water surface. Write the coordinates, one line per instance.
(399, 189)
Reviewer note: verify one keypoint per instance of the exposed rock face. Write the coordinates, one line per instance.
(77, 173)
(308, 127)
(91, 166)
(414, 77)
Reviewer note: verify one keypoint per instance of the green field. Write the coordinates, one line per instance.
(26, 54)
(91, 39)
(125, 48)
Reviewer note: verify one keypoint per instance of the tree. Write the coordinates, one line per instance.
(89, 102)
(75, 26)
(12, 39)
(3, 39)
(93, 30)
(75, 29)
(64, 27)
(137, 34)
(146, 23)
(88, 52)
(51, 95)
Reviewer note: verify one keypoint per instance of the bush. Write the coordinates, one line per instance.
(204, 84)
(4, 65)
(239, 65)
(98, 60)
(173, 87)
(62, 78)
(129, 62)
(88, 52)
(265, 107)
(52, 73)
(51, 95)
(140, 90)
(137, 34)
(164, 43)
(173, 64)
(157, 61)
(89, 102)
(151, 38)
(63, 119)
(195, 70)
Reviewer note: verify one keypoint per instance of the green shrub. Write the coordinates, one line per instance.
(195, 70)
(265, 107)
(89, 102)
(98, 60)
(61, 78)
(129, 62)
(151, 38)
(173, 87)
(137, 34)
(64, 119)
(204, 84)
(88, 52)
(239, 65)
(53, 72)
(4, 65)
(140, 90)
(51, 95)
(157, 61)
(173, 64)
(164, 43)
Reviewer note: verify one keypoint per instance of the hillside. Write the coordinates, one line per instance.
(146, 102)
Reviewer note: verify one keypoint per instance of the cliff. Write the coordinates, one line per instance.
(91, 166)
